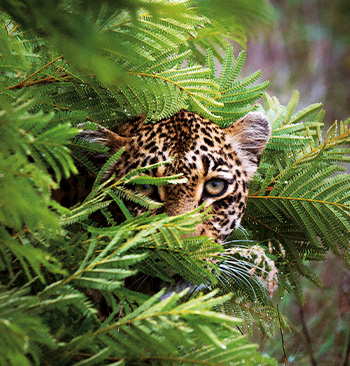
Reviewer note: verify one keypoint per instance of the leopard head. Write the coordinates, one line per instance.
(218, 163)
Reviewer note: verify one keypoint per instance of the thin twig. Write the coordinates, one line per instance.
(281, 331)
(44, 80)
(21, 83)
(265, 338)
(307, 336)
(301, 199)
(13, 29)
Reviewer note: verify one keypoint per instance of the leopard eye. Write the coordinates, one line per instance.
(145, 189)
(215, 187)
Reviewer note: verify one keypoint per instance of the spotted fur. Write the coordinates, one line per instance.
(201, 151)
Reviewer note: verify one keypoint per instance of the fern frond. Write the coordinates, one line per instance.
(139, 198)
(166, 323)
(80, 213)
(304, 113)
(137, 173)
(236, 97)
(226, 69)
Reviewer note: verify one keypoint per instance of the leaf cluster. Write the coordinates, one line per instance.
(125, 62)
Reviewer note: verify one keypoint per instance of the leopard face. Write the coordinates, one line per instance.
(218, 164)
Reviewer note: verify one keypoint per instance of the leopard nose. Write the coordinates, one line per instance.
(180, 207)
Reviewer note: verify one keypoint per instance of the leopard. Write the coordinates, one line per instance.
(218, 163)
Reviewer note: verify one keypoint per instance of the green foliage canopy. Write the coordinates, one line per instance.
(66, 62)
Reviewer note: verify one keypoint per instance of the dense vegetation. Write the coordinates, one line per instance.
(64, 63)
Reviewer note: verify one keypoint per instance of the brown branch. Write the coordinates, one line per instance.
(307, 336)
(302, 199)
(22, 83)
(281, 331)
(43, 80)
(263, 224)
(265, 338)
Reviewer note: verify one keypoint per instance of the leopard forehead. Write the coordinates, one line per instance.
(177, 135)
(186, 137)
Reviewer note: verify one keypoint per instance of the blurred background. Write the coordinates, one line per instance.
(308, 49)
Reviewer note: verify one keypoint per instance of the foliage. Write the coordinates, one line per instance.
(63, 64)
(299, 200)
(118, 46)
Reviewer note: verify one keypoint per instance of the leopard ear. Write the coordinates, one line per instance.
(105, 137)
(250, 134)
